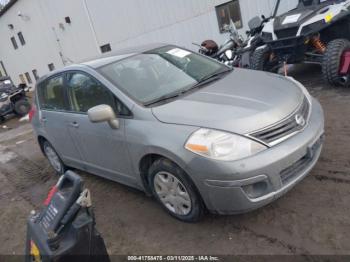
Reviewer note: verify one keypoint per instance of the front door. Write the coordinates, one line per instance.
(104, 149)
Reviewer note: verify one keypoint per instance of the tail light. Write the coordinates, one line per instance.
(32, 112)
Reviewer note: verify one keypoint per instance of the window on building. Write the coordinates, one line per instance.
(29, 79)
(35, 74)
(21, 38)
(51, 66)
(106, 48)
(228, 11)
(52, 95)
(22, 79)
(14, 42)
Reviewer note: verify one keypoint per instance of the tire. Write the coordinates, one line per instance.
(260, 61)
(22, 107)
(164, 177)
(53, 158)
(331, 62)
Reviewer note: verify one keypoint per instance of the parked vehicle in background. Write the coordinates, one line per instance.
(185, 128)
(311, 31)
(236, 51)
(225, 52)
(12, 99)
(242, 55)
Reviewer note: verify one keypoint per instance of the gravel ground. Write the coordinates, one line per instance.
(313, 218)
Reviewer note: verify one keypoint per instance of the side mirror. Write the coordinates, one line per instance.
(103, 113)
(229, 54)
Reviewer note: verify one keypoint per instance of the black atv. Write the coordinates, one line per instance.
(312, 31)
(13, 99)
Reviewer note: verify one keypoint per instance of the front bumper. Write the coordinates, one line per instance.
(247, 184)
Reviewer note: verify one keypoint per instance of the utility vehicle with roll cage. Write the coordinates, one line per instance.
(308, 31)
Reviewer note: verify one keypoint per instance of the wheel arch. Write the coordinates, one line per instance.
(148, 158)
(16, 97)
(41, 139)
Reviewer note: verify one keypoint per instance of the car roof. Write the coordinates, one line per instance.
(105, 59)
(119, 55)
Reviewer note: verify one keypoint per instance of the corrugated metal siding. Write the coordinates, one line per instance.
(121, 23)
(180, 21)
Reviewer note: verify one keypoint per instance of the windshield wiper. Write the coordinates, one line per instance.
(164, 98)
(210, 78)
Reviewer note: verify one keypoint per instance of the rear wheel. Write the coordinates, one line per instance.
(22, 107)
(173, 189)
(264, 60)
(332, 61)
(54, 160)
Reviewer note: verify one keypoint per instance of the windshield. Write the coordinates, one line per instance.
(160, 72)
(284, 6)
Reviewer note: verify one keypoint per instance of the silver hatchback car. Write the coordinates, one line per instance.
(192, 132)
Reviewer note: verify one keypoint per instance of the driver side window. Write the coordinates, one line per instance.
(86, 92)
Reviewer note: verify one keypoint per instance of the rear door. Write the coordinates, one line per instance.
(104, 149)
(54, 108)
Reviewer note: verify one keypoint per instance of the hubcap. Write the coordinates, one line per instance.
(53, 158)
(172, 193)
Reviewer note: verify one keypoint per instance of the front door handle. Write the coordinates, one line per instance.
(74, 124)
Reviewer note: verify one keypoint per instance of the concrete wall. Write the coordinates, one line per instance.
(122, 23)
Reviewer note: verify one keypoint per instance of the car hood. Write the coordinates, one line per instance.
(242, 102)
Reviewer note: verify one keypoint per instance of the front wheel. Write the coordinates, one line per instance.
(332, 62)
(173, 189)
(263, 59)
(22, 107)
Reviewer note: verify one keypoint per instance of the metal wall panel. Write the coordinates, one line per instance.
(122, 23)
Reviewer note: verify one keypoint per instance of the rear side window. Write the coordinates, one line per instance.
(51, 94)
(85, 92)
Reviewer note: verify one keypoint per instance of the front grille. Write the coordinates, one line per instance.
(285, 33)
(290, 173)
(287, 127)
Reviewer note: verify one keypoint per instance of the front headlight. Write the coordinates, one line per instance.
(223, 146)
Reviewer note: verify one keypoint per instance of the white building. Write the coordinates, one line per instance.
(40, 35)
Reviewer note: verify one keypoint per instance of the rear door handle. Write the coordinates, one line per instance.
(74, 124)
(44, 119)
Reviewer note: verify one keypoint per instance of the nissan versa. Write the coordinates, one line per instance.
(192, 132)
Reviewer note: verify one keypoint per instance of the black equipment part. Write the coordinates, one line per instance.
(65, 230)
